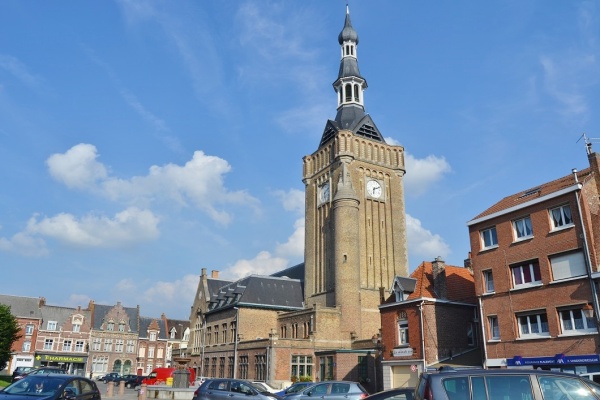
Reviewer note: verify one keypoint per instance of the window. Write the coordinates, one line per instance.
(76, 327)
(230, 367)
(488, 281)
(121, 327)
(173, 333)
(110, 326)
(151, 352)
(67, 345)
(363, 368)
(260, 367)
(107, 344)
(79, 345)
(243, 372)
(51, 325)
(302, 366)
(402, 331)
(567, 265)
(494, 328)
(48, 344)
(96, 344)
(29, 329)
(560, 217)
(489, 238)
(119, 345)
(523, 229)
(221, 367)
(527, 274)
(574, 321)
(26, 347)
(533, 325)
(131, 346)
(152, 336)
(142, 352)
(100, 363)
(231, 330)
(224, 328)
(160, 351)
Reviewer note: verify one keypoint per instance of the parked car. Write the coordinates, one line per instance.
(231, 389)
(111, 377)
(331, 390)
(51, 387)
(20, 371)
(296, 387)
(264, 386)
(482, 384)
(41, 370)
(393, 394)
(132, 381)
(100, 377)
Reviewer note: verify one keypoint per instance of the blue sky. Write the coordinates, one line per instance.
(142, 141)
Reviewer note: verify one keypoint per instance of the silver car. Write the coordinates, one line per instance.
(331, 390)
(231, 389)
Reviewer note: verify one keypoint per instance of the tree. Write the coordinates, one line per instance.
(9, 333)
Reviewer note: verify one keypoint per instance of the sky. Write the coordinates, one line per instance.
(141, 141)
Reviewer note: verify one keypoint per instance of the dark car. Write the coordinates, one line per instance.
(132, 381)
(296, 387)
(51, 387)
(331, 390)
(393, 394)
(485, 384)
(112, 377)
(19, 371)
(41, 370)
(231, 389)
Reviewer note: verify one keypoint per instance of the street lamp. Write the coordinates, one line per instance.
(377, 343)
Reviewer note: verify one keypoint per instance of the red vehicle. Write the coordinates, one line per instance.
(160, 376)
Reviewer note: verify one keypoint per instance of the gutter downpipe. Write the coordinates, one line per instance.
(485, 357)
(422, 336)
(587, 252)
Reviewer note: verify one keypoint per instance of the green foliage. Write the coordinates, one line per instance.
(9, 333)
(306, 378)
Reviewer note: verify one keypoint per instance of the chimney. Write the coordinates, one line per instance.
(42, 302)
(468, 263)
(214, 274)
(438, 268)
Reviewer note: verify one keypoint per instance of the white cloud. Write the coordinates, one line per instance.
(169, 294)
(76, 300)
(24, 244)
(422, 173)
(294, 247)
(422, 243)
(126, 228)
(292, 200)
(77, 168)
(199, 183)
(19, 70)
(263, 264)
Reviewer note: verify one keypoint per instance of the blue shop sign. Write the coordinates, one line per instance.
(558, 359)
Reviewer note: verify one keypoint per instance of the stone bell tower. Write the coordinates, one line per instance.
(355, 230)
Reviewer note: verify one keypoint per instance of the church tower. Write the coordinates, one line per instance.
(355, 228)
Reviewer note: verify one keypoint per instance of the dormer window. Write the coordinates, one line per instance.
(152, 336)
(110, 326)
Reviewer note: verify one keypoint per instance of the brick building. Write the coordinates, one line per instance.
(535, 261)
(430, 319)
(152, 345)
(355, 244)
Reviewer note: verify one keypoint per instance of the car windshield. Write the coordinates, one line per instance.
(35, 385)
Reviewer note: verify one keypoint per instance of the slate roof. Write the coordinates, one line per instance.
(101, 310)
(180, 325)
(295, 272)
(534, 193)
(61, 314)
(460, 285)
(22, 307)
(260, 291)
(145, 324)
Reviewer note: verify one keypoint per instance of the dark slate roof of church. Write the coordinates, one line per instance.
(22, 307)
(295, 272)
(259, 291)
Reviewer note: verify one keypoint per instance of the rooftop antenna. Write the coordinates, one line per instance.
(588, 142)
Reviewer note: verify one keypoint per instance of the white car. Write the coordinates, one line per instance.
(264, 386)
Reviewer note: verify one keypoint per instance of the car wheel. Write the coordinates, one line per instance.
(105, 381)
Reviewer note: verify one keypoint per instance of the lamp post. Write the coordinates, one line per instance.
(235, 342)
(377, 343)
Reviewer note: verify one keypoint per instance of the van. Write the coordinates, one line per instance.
(491, 384)
(164, 376)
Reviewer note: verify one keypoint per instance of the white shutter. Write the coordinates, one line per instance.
(568, 265)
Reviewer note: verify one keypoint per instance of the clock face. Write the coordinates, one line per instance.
(374, 189)
(324, 193)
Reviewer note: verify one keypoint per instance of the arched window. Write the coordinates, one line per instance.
(347, 50)
(341, 97)
(117, 366)
(348, 91)
(356, 93)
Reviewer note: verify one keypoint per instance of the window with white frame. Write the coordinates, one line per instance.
(533, 325)
(494, 327)
(121, 327)
(96, 344)
(173, 332)
(522, 228)
(575, 321)
(51, 325)
(107, 344)
(100, 363)
(130, 346)
(79, 346)
(526, 274)
(26, 347)
(403, 332)
(488, 281)
(159, 352)
(152, 336)
(76, 327)
(560, 217)
(148, 369)
(67, 345)
(119, 345)
(186, 335)
(48, 343)
(142, 352)
(110, 326)
(567, 265)
(151, 352)
(29, 329)
(489, 238)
